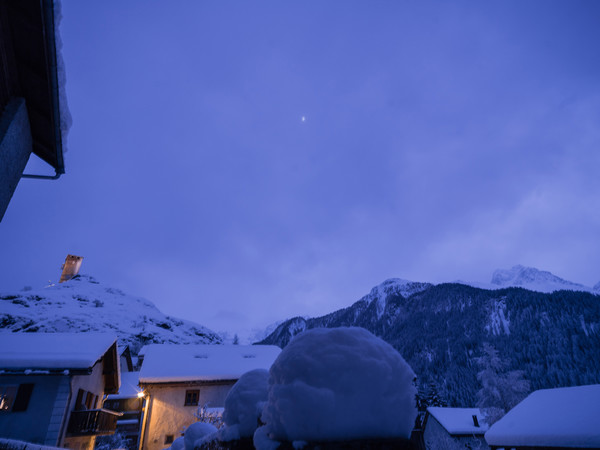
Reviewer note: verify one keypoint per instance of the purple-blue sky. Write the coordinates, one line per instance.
(442, 140)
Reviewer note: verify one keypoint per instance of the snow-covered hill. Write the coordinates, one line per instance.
(83, 304)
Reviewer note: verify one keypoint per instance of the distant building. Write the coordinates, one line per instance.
(562, 418)
(463, 426)
(70, 268)
(52, 386)
(30, 114)
(178, 379)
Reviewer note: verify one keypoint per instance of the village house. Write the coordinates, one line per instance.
(52, 386)
(463, 426)
(562, 418)
(177, 380)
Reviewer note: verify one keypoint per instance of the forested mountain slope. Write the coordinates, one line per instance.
(440, 330)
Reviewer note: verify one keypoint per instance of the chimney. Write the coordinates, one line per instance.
(71, 267)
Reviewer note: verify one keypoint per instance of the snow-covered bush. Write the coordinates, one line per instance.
(244, 404)
(193, 435)
(338, 384)
(112, 442)
(214, 416)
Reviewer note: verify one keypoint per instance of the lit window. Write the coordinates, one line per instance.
(7, 397)
(191, 397)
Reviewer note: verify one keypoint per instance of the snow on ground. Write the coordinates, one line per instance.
(338, 384)
(52, 351)
(177, 363)
(84, 305)
(564, 417)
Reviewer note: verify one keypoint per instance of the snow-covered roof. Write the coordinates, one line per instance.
(164, 363)
(129, 386)
(52, 351)
(459, 420)
(563, 417)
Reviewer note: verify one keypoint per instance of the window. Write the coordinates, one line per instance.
(85, 400)
(15, 398)
(169, 439)
(89, 400)
(191, 397)
(7, 397)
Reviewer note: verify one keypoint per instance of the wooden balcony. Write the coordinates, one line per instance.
(93, 422)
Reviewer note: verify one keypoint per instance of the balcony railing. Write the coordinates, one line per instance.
(93, 422)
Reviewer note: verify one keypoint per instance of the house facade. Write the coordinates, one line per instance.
(177, 380)
(449, 428)
(562, 418)
(52, 386)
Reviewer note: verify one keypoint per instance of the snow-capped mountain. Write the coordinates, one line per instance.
(440, 330)
(534, 280)
(372, 306)
(83, 304)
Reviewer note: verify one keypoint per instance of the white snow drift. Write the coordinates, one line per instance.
(338, 384)
(244, 404)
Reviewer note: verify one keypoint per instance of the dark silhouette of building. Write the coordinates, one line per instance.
(30, 120)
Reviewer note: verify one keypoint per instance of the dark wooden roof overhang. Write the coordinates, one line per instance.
(28, 69)
(111, 370)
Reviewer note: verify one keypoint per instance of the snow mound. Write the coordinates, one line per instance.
(178, 444)
(534, 280)
(338, 384)
(196, 432)
(244, 403)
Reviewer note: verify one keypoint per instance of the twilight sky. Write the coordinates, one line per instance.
(440, 141)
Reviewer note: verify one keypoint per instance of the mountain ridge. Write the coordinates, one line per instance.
(440, 329)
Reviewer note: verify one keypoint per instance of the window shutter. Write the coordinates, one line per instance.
(23, 396)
